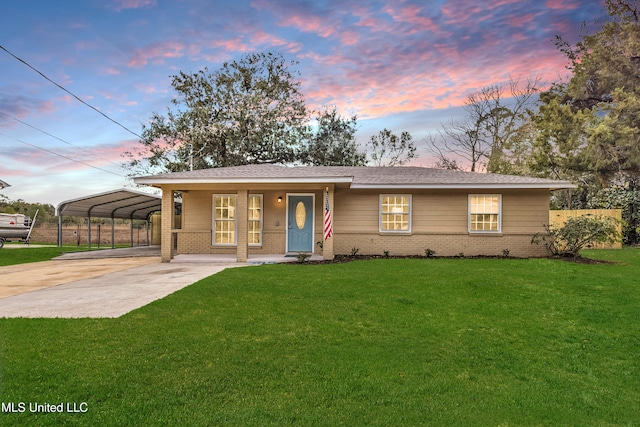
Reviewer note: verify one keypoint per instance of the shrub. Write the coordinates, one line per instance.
(354, 251)
(429, 253)
(302, 257)
(578, 233)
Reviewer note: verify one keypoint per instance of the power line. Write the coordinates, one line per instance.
(70, 93)
(65, 157)
(55, 137)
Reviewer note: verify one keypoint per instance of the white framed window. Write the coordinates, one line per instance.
(224, 219)
(485, 213)
(255, 219)
(395, 213)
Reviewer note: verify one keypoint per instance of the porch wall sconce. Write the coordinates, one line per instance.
(279, 199)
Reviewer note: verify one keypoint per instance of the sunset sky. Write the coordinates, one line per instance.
(404, 65)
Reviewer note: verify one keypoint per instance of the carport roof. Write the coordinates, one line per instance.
(122, 204)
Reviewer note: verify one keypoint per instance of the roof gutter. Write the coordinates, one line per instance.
(303, 180)
(559, 185)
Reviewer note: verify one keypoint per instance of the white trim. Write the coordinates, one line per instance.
(213, 221)
(256, 180)
(313, 219)
(558, 186)
(260, 196)
(409, 196)
(499, 230)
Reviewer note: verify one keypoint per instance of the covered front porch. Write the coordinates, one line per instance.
(247, 223)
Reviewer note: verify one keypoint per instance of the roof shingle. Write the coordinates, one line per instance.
(358, 176)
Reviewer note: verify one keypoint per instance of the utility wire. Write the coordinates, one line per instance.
(65, 157)
(70, 93)
(59, 139)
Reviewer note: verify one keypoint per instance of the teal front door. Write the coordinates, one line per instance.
(300, 223)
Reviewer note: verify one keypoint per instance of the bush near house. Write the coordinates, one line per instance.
(577, 233)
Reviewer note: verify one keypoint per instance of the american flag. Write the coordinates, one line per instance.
(328, 227)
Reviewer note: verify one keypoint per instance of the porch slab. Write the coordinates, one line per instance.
(230, 258)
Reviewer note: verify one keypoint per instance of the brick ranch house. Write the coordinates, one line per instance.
(269, 209)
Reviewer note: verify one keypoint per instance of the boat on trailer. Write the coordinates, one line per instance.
(15, 227)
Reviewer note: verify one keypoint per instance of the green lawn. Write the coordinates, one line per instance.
(391, 342)
(10, 256)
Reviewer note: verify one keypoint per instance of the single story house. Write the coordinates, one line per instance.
(270, 209)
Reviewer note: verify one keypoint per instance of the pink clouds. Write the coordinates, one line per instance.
(156, 52)
(236, 44)
(308, 24)
(412, 14)
(147, 88)
(262, 38)
(562, 4)
(520, 20)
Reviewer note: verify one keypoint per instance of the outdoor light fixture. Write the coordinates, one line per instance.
(279, 199)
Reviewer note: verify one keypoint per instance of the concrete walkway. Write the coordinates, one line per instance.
(94, 287)
(108, 282)
(111, 295)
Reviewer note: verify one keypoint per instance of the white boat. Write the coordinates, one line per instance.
(15, 227)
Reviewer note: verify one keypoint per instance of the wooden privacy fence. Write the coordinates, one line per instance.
(558, 218)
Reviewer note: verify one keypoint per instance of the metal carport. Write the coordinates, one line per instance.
(120, 204)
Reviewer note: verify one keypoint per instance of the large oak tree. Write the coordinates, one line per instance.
(249, 111)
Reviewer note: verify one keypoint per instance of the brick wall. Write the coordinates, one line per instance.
(439, 223)
(518, 245)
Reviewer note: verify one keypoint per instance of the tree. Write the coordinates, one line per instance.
(387, 149)
(491, 133)
(249, 111)
(599, 108)
(459, 138)
(333, 143)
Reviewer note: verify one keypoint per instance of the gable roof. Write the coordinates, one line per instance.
(354, 176)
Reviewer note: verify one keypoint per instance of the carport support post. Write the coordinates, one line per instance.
(166, 233)
(242, 214)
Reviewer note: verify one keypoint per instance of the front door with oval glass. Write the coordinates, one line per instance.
(300, 223)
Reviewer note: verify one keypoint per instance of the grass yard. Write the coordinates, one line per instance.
(21, 255)
(391, 342)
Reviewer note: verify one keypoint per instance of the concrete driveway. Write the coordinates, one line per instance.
(95, 287)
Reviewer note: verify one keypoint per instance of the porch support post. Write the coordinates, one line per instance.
(327, 245)
(242, 216)
(166, 239)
